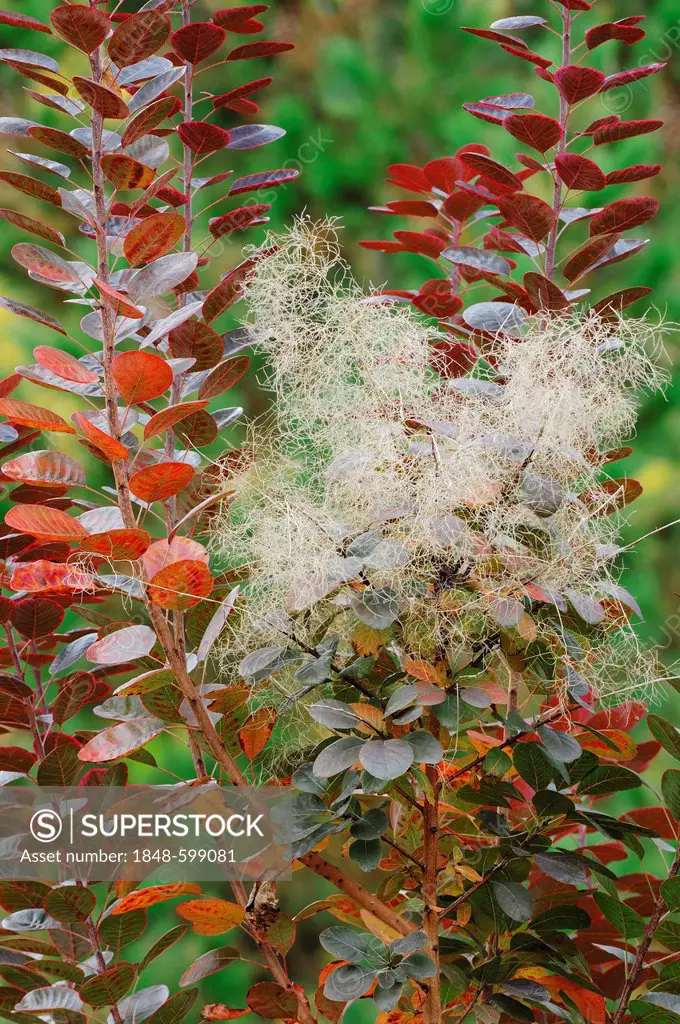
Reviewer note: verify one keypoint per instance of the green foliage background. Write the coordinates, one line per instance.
(374, 82)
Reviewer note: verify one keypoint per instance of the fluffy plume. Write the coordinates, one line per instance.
(383, 495)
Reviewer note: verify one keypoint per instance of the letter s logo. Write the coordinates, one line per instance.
(46, 826)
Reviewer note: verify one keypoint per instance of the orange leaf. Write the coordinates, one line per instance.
(256, 731)
(426, 673)
(109, 449)
(179, 549)
(28, 415)
(591, 1004)
(626, 748)
(120, 305)
(162, 481)
(125, 544)
(181, 585)
(218, 1011)
(143, 898)
(211, 916)
(44, 523)
(41, 575)
(45, 469)
(141, 376)
(126, 172)
(168, 417)
(153, 237)
(63, 365)
(224, 377)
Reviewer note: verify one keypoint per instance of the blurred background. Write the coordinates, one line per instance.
(373, 82)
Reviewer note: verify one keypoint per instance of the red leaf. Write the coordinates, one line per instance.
(588, 255)
(421, 242)
(223, 377)
(530, 215)
(263, 179)
(248, 51)
(31, 187)
(544, 293)
(44, 523)
(624, 130)
(492, 169)
(37, 616)
(181, 585)
(125, 172)
(63, 365)
(153, 237)
(124, 544)
(624, 214)
(218, 1011)
(576, 83)
(119, 303)
(528, 55)
(229, 290)
(495, 37)
(637, 172)
(193, 43)
(22, 21)
(41, 575)
(103, 100)
(409, 177)
(141, 376)
(453, 358)
(487, 112)
(167, 417)
(619, 301)
(631, 75)
(576, 5)
(232, 18)
(536, 130)
(107, 447)
(626, 34)
(578, 172)
(236, 97)
(54, 138)
(161, 481)
(195, 340)
(138, 37)
(122, 739)
(35, 227)
(201, 137)
(45, 469)
(85, 29)
(435, 298)
(238, 220)
(149, 118)
(25, 414)
(123, 645)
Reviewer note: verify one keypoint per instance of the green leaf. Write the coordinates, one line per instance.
(624, 918)
(348, 944)
(371, 825)
(337, 757)
(561, 919)
(670, 790)
(70, 903)
(175, 1009)
(532, 765)
(609, 779)
(334, 714)
(165, 942)
(426, 749)
(119, 929)
(376, 608)
(559, 744)
(670, 890)
(450, 712)
(667, 735)
(210, 963)
(366, 853)
(513, 899)
(110, 986)
(386, 759)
